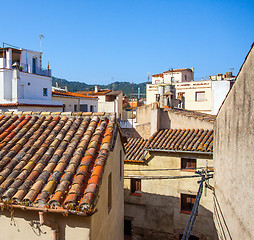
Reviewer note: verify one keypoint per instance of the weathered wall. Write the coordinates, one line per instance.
(105, 224)
(144, 130)
(173, 120)
(25, 225)
(233, 158)
(159, 206)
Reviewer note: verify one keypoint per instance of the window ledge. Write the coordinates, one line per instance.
(136, 194)
(187, 212)
(188, 170)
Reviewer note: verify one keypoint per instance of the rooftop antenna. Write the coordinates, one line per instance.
(148, 77)
(41, 37)
(231, 70)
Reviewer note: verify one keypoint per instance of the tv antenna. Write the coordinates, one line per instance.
(148, 77)
(41, 37)
(231, 70)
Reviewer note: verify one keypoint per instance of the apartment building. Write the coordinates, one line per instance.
(24, 84)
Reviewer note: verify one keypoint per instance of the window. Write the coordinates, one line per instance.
(63, 107)
(188, 164)
(136, 186)
(91, 108)
(109, 192)
(187, 202)
(191, 237)
(45, 92)
(75, 107)
(121, 165)
(185, 77)
(200, 96)
(172, 79)
(127, 227)
(83, 108)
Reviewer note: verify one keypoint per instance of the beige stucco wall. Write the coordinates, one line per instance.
(25, 225)
(159, 206)
(190, 90)
(172, 120)
(68, 101)
(110, 225)
(233, 158)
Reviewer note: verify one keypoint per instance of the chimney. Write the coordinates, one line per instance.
(57, 85)
(96, 88)
(16, 94)
(155, 118)
(66, 89)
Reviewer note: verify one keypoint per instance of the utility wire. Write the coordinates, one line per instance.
(164, 169)
(194, 210)
(164, 177)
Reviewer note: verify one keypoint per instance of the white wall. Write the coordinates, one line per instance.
(90, 102)
(219, 92)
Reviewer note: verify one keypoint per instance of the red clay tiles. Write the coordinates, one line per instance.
(187, 140)
(53, 161)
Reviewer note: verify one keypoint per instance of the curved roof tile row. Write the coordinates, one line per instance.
(187, 140)
(53, 161)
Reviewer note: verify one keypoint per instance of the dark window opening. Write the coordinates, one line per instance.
(75, 108)
(83, 108)
(127, 227)
(63, 107)
(190, 238)
(45, 92)
(136, 186)
(188, 164)
(109, 192)
(91, 108)
(187, 202)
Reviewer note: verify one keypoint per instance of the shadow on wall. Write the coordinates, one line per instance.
(222, 229)
(130, 133)
(154, 216)
(25, 225)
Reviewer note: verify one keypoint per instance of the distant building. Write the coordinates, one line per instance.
(234, 158)
(109, 100)
(204, 96)
(74, 102)
(24, 84)
(158, 198)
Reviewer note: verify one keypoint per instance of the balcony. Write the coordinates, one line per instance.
(26, 68)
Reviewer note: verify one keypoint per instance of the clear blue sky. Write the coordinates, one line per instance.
(100, 41)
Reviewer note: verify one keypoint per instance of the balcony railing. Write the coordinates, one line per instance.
(26, 68)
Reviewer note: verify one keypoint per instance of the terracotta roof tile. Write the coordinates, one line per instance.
(53, 161)
(187, 140)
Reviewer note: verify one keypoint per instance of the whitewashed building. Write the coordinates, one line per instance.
(24, 84)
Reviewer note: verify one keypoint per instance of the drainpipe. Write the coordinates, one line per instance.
(53, 226)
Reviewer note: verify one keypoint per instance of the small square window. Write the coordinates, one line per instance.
(45, 92)
(136, 186)
(187, 202)
(75, 108)
(188, 164)
(200, 96)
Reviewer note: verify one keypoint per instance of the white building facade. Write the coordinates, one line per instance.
(24, 84)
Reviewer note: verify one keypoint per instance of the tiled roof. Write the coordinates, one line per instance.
(173, 140)
(135, 149)
(170, 71)
(71, 94)
(55, 162)
(190, 113)
(93, 93)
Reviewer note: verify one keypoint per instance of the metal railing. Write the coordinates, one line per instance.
(26, 68)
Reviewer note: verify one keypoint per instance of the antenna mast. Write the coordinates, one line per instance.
(41, 37)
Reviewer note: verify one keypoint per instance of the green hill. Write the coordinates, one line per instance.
(128, 88)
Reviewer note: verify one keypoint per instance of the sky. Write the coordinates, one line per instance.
(98, 41)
